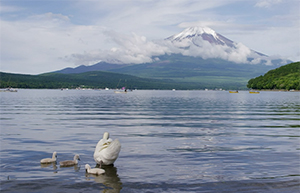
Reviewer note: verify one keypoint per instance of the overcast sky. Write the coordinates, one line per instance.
(39, 36)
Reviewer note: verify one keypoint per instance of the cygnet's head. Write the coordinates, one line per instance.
(87, 166)
(54, 155)
(76, 157)
(106, 135)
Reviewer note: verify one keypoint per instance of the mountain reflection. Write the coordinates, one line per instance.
(110, 179)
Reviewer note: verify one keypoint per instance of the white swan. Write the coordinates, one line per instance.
(96, 171)
(107, 150)
(70, 162)
(49, 160)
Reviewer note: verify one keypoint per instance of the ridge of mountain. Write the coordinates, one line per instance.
(205, 33)
(194, 69)
(95, 80)
(196, 34)
(101, 66)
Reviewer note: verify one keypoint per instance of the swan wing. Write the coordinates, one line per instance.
(99, 145)
(113, 150)
(108, 152)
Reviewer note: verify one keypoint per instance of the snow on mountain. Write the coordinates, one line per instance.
(201, 42)
(205, 33)
(206, 43)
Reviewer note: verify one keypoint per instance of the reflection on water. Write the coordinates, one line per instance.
(192, 141)
(53, 164)
(110, 179)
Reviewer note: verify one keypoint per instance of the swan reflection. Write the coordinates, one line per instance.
(53, 164)
(110, 179)
(76, 168)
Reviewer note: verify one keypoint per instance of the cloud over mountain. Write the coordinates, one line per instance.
(132, 48)
(194, 41)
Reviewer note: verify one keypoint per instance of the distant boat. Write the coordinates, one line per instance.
(121, 92)
(9, 90)
(254, 92)
(233, 91)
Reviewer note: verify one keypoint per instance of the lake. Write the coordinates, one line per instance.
(172, 141)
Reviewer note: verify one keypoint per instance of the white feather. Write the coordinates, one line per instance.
(95, 171)
(49, 160)
(107, 150)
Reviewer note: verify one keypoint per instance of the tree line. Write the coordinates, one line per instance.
(101, 80)
(286, 77)
(94, 80)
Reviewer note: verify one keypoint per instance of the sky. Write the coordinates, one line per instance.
(39, 36)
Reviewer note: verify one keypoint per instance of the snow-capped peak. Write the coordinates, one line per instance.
(196, 34)
(195, 31)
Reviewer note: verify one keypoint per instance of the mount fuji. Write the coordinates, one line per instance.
(197, 55)
(194, 33)
(196, 36)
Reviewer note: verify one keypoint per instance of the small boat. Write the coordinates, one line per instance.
(254, 92)
(233, 91)
(9, 90)
(121, 92)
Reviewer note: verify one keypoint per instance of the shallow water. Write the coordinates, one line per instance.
(182, 141)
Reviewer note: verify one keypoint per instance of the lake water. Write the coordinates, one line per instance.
(172, 141)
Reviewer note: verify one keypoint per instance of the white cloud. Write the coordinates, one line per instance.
(206, 50)
(135, 49)
(36, 44)
(132, 48)
(42, 38)
(267, 3)
(153, 19)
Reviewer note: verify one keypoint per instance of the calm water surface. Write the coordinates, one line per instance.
(182, 141)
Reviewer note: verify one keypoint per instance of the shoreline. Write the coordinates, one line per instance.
(276, 90)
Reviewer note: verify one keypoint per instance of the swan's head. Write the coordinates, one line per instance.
(54, 155)
(76, 157)
(87, 166)
(106, 135)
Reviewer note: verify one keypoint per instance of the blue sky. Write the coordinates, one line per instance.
(47, 35)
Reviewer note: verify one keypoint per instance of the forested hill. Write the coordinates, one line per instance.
(96, 79)
(286, 77)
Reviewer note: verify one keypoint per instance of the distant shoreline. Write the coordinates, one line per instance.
(101, 89)
(277, 90)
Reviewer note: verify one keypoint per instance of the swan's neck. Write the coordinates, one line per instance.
(106, 135)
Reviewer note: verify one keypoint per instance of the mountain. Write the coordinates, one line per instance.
(199, 56)
(196, 35)
(285, 77)
(101, 66)
(94, 79)
(205, 33)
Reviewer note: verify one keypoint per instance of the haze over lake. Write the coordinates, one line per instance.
(172, 141)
